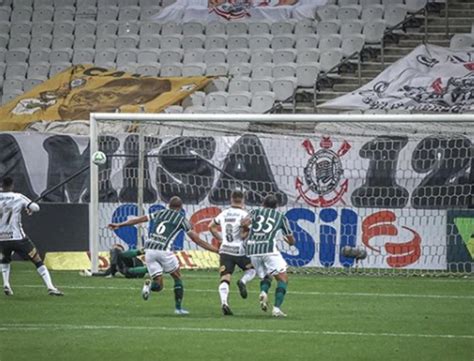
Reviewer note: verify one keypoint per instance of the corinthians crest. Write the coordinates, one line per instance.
(323, 174)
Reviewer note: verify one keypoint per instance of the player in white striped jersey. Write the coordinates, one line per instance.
(14, 239)
(232, 251)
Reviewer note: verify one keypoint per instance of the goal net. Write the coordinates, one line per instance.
(399, 187)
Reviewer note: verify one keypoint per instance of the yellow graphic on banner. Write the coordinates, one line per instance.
(71, 261)
(83, 89)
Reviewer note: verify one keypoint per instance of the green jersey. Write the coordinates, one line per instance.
(164, 227)
(266, 224)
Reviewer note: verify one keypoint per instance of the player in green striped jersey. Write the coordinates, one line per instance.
(164, 227)
(262, 230)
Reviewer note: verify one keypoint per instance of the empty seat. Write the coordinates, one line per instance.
(283, 42)
(196, 69)
(7, 97)
(20, 14)
(126, 42)
(62, 42)
(216, 99)
(309, 41)
(12, 85)
(105, 57)
(42, 29)
(348, 13)
(262, 101)
(128, 28)
(84, 28)
(329, 59)
(106, 42)
(41, 42)
(30, 83)
(63, 28)
(215, 42)
(284, 70)
(330, 42)
(240, 70)
(171, 28)
(262, 70)
(395, 15)
(328, 12)
(352, 44)
(128, 68)
(258, 28)
(348, 2)
(194, 99)
(239, 99)
(217, 69)
(150, 28)
(171, 42)
(64, 14)
(236, 28)
(60, 56)
(237, 42)
(125, 57)
(306, 75)
(85, 42)
(282, 27)
(105, 3)
(193, 56)
(374, 32)
(367, 3)
(215, 56)
(19, 42)
(5, 14)
(148, 70)
(261, 84)
(239, 83)
(57, 68)
(39, 56)
(16, 71)
(259, 42)
(284, 88)
(16, 56)
(17, 29)
(238, 56)
(193, 28)
(351, 28)
(149, 42)
(193, 42)
(304, 27)
(215, 28)
(284, 56)
(308, 56)
(171, 56)
(414, 6)
(195, 109)
(262, 56)
(129, 14)
(38, 71)
(109, 13)
(462, 41)
(327, 27)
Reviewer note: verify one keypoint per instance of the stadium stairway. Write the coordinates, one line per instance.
(460, 17)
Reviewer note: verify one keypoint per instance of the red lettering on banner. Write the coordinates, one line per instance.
(400, 254)
(202, 218)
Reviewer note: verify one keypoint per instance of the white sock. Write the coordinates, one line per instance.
(248, 276)
(44, 273)
(6, 274)
(224, 292)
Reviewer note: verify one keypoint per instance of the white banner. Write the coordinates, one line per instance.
(430, 78)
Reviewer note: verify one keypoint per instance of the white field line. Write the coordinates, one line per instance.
(65, 327)
(299, 293)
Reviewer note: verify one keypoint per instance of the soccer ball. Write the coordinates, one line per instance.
(99, 158)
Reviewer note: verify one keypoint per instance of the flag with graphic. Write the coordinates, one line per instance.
(430, 78)
(83, 89)
(238, 9)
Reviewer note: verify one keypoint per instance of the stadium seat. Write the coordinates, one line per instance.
(374, 32)
(258, 28)
(372, 13)
(42, 29)
(105, 14)
(193, 56)
(462, 41)
(127, 3)
(238, 56)
(171, 41)
(284, 88)
(351, 28)
(237, 42)
(195, 110)
(5, 28)
(148, 70)
(306, 75)
(263, 70)
(63, 27)
(193, 28)
(304, 27)
(107, 28)
(60, 56)
(19, 42)
(261, 84)
(62, 42)
(16, 71)
(171, 56)
(64, 14)
(30, 83)
(195, 99)
(85, 42)
(150, 28)
(217, 69)
(284, 70)
(215, 56)
(106, 3)
(217, 110)
(348, 13)
(128, 28)
(330, 42)
(196, 69)
(328, 12)
(329, 59)
(39, 56)
(12, 85)
(126, 42)
(17, 29)
(7, 97)
(105, 42)
(84, 28)
(394, 15)
(262, 56)
(129, 14)
(239, 99)
(327, 27)
(174, 109)
(193, 42)
(171, 28)
(215, 28)
(105, 57)
(149, 42)
(282, 27)
(413, 6)
(216, 99)
(16, 56)
(259, 42)
(20, 14)
(284, 56)
(307, 56)
(367, 3)
(125, 57)
(283, 42)
(215, 42)
(240, 70)
(236, 28)
(307, 41)
(240, 83)
(4, 39)
(351, 44)
(262, 101)
(41, 42)
(348, 2)
(128, 68)
(171, 70)
(5, 14)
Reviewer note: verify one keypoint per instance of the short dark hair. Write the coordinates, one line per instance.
(270, 201)
(7, 182)
(175, 202)
(237, 195)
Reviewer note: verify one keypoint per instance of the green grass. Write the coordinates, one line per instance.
(329, 318)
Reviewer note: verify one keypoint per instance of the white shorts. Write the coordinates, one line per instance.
(269, 264)
(158, 262)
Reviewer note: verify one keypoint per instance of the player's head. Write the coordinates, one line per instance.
(7, 184)
(270, 201)
(237, 197)
(175, 203)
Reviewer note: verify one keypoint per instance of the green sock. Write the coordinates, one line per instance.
(265, 285)
(280, 293)
(178, 293)
(137, 271)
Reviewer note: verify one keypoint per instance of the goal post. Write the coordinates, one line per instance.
(397, 186)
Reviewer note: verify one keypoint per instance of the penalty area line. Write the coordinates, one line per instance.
(299, 293)
(69, 327)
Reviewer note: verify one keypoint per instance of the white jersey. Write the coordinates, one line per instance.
(11, 206)
(229, 220)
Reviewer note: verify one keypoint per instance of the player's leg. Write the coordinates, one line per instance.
(265, 281)
(249, 274)
(155, 270)
(26, 248)
(170, 265)
(278, 266)
(227, 266)
(5, 263)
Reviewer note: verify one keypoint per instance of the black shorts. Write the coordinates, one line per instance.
(24, 247)
(228, 263)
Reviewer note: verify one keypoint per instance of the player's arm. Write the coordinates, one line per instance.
(287, 235)
(203, 244)
(130, 222)
(29, 205)
(214, 229)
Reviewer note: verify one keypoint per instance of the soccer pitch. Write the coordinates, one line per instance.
(329, 318)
